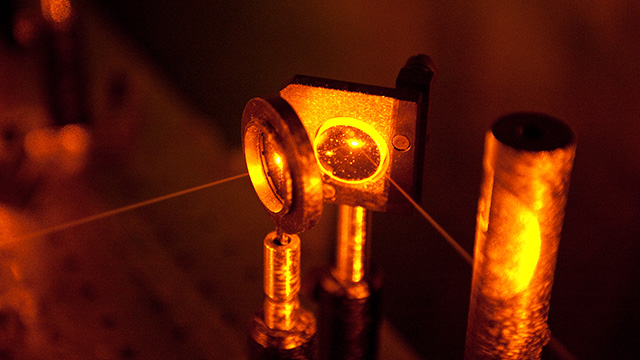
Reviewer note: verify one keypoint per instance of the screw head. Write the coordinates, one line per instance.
(329, 192)
(401, 143)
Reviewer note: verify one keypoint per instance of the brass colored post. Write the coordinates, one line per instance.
(352, 256)
(281, 280)
(350, 293)
(527, 165)
(283, 330)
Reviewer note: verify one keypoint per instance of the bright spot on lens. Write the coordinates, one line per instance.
(350, 150)
(275, 168)
(268, 168)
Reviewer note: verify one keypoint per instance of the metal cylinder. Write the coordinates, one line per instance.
(352, 254)
(350, 294)
(283, 330)
(298, 343)
(349, 318)
(281, 280)
(527, 164)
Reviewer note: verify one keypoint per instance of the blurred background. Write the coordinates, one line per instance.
(163, 85)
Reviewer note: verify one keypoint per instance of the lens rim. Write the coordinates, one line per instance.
(300, 209)
(254, 151)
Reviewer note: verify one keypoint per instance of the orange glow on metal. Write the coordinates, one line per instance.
(281, 280)
(281, 163)
(330, 103)
(351, 256)
(57, 11)
(379, 114)
(511, 263)
(520, 215)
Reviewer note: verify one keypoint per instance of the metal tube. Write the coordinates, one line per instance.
(350, 293)
(281, 280)
(283, 330)
(352, 255)
(527, 164)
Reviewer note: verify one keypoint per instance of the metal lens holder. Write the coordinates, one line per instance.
(282, 164)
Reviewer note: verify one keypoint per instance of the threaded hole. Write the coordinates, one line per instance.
(282, 240)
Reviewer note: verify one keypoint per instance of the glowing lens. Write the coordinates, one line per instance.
(350, 150)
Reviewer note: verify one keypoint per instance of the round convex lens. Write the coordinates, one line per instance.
(349, 153)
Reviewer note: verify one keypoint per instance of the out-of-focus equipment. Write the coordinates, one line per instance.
(527, 164)
(66, 87)
(41, 143)
(339, 142)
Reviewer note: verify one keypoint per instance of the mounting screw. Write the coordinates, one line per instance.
(401, 143)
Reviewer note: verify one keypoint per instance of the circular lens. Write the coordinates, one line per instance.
(267, 168)
(282, 164)
(350, 150)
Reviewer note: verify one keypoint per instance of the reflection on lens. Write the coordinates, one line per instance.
(275, 167)
(267, 168)
(347, 149)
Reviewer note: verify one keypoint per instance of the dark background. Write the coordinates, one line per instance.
(577, 60)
